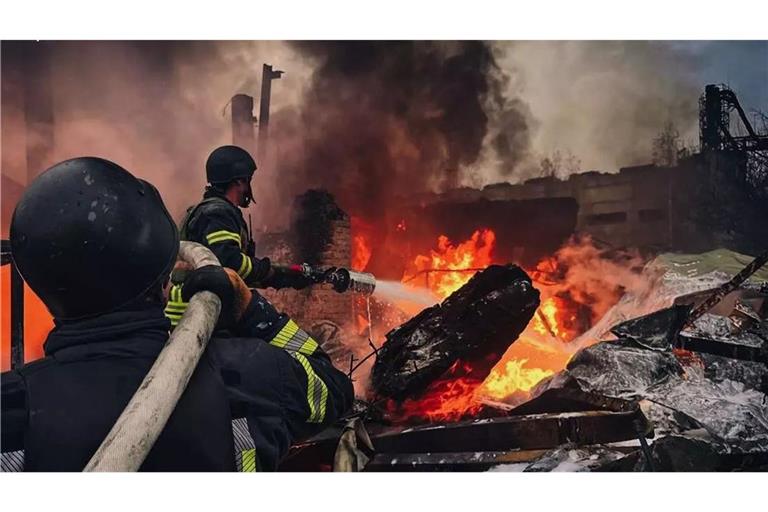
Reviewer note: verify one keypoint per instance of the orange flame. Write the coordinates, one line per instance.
(541, 349)
(448, 399)
(446, 269)
(511, 378)
(361, 243)
(37, 322)
(361, 252)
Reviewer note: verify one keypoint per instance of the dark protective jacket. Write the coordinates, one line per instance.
(220, 226)
(278, 378)
(277, 383)
(60, 408)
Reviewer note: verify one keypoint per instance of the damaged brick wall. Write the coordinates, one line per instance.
(318, 309)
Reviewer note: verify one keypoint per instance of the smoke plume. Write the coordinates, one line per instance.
(604, 101)
(367, 121)
(382, 119)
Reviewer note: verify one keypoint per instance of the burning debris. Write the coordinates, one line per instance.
(660, 396)
(474, 325)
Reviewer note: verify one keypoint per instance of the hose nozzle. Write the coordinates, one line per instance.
(341, 279)
(344, 280)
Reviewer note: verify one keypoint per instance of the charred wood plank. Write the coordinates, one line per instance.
(493, 437)
(528, 432)
(722, 348)
(476, 324)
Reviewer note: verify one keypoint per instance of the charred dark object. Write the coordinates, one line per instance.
(476, 324)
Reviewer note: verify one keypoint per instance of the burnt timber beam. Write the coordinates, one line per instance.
(501, 435)
(530, 432)
(722, 348)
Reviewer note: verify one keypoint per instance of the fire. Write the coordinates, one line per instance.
(552, 318)
(37, 322)
(448, 399)
(575, 287)
(449, 267)
(512, 378)
(361, 243)
(361, 252)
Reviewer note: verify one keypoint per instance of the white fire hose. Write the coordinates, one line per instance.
(138, 427)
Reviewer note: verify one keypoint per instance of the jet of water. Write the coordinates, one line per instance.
(395, 291)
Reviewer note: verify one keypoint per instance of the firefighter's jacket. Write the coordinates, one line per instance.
(60, 408)
(268, 375)
(281, 381)
(220, 226)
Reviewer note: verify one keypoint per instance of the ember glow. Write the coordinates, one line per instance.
(447, 399)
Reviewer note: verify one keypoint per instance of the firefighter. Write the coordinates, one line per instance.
(218, 223)
(97, 246)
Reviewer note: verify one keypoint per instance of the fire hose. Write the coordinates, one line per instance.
(143, 419)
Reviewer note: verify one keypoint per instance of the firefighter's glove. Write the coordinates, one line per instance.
(286, 277)
(226, 284)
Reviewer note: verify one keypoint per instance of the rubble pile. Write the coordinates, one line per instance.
(659, 393)
(708, 408)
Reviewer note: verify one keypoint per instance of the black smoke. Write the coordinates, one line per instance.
(383, 119)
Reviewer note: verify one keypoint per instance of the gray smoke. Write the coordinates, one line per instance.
(367, 120)
(604, 101)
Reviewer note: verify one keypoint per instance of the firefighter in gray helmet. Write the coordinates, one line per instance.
(218, 223)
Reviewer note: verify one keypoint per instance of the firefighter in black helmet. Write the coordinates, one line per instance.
(218, 223)
(97, 246)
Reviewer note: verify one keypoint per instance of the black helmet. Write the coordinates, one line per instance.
(88, 237)
(227, 163)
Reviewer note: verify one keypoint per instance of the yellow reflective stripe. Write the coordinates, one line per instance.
(175, 307)
(222, 232)
(309, 346)
(294, 339)
(175, 295)
(317, 391)
(245, 267)
(224, 238)
(282, 338)
(223, 235)
(249, 461)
